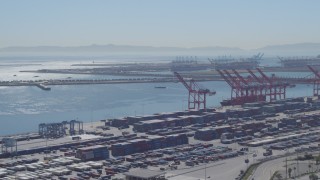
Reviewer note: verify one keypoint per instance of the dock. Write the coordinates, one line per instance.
(43, 84)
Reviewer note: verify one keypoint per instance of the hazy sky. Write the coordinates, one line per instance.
(179, 23)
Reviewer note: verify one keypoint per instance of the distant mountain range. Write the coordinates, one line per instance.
(288, 49)
(295, 49)
(111, 48)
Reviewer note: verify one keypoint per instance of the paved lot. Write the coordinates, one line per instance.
(267, 169)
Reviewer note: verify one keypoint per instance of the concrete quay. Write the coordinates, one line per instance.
(44, 83)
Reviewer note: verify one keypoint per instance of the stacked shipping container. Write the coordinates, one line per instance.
(142, 145)
(93, 153)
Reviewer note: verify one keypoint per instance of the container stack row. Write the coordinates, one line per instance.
(93, 153)
(142, 145)
(243, 129)
(136, 119)
(179, 121)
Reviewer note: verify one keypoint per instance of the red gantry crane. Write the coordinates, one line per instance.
(197, 95)
(275, 89)
(242, 82)
(316, 81)
(262, 85)
(243, 90)
(237, 91)
(234, 91)
(253, 90)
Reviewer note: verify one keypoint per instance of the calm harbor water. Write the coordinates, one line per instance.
(23, 108)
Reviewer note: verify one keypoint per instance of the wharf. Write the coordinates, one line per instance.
(38, 84)
(42, 85)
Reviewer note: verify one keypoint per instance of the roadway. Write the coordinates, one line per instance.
(265, 170)
(220, 170)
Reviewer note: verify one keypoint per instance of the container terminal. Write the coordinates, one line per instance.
(175, 145)
(187, 64)
(299, 61)
(257, 125)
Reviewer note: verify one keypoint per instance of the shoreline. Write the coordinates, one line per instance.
(86, 126)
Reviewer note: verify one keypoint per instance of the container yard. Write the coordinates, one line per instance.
(298, 61)
(110, 90)
(165, 145)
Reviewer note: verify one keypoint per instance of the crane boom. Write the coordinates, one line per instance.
(231, 83)
(316, 73)
(225, 78)
(182, 81)
(261, 55)
(316, 82)
(254, 76)
(197, 95)
(211, 61)
(264, 76)
(280, 58)
(232, 78)
(240, 77)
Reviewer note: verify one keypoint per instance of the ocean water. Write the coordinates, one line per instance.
(23, 108)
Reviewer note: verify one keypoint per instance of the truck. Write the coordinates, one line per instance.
(268, 152)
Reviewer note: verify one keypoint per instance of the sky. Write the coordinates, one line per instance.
(246, 24)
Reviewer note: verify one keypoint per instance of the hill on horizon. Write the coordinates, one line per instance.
(299, 49)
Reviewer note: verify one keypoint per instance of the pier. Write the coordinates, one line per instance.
(44, 84)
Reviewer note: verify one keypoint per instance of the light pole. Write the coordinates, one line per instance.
(287, 153)
(286, 168)
(205, 171)
(46, 151)
(298, 164)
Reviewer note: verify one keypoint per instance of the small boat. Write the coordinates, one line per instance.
(14, 75)
(35, 76)
(160, 87)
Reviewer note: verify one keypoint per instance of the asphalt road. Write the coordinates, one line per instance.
(265, 170)
(221, 170)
